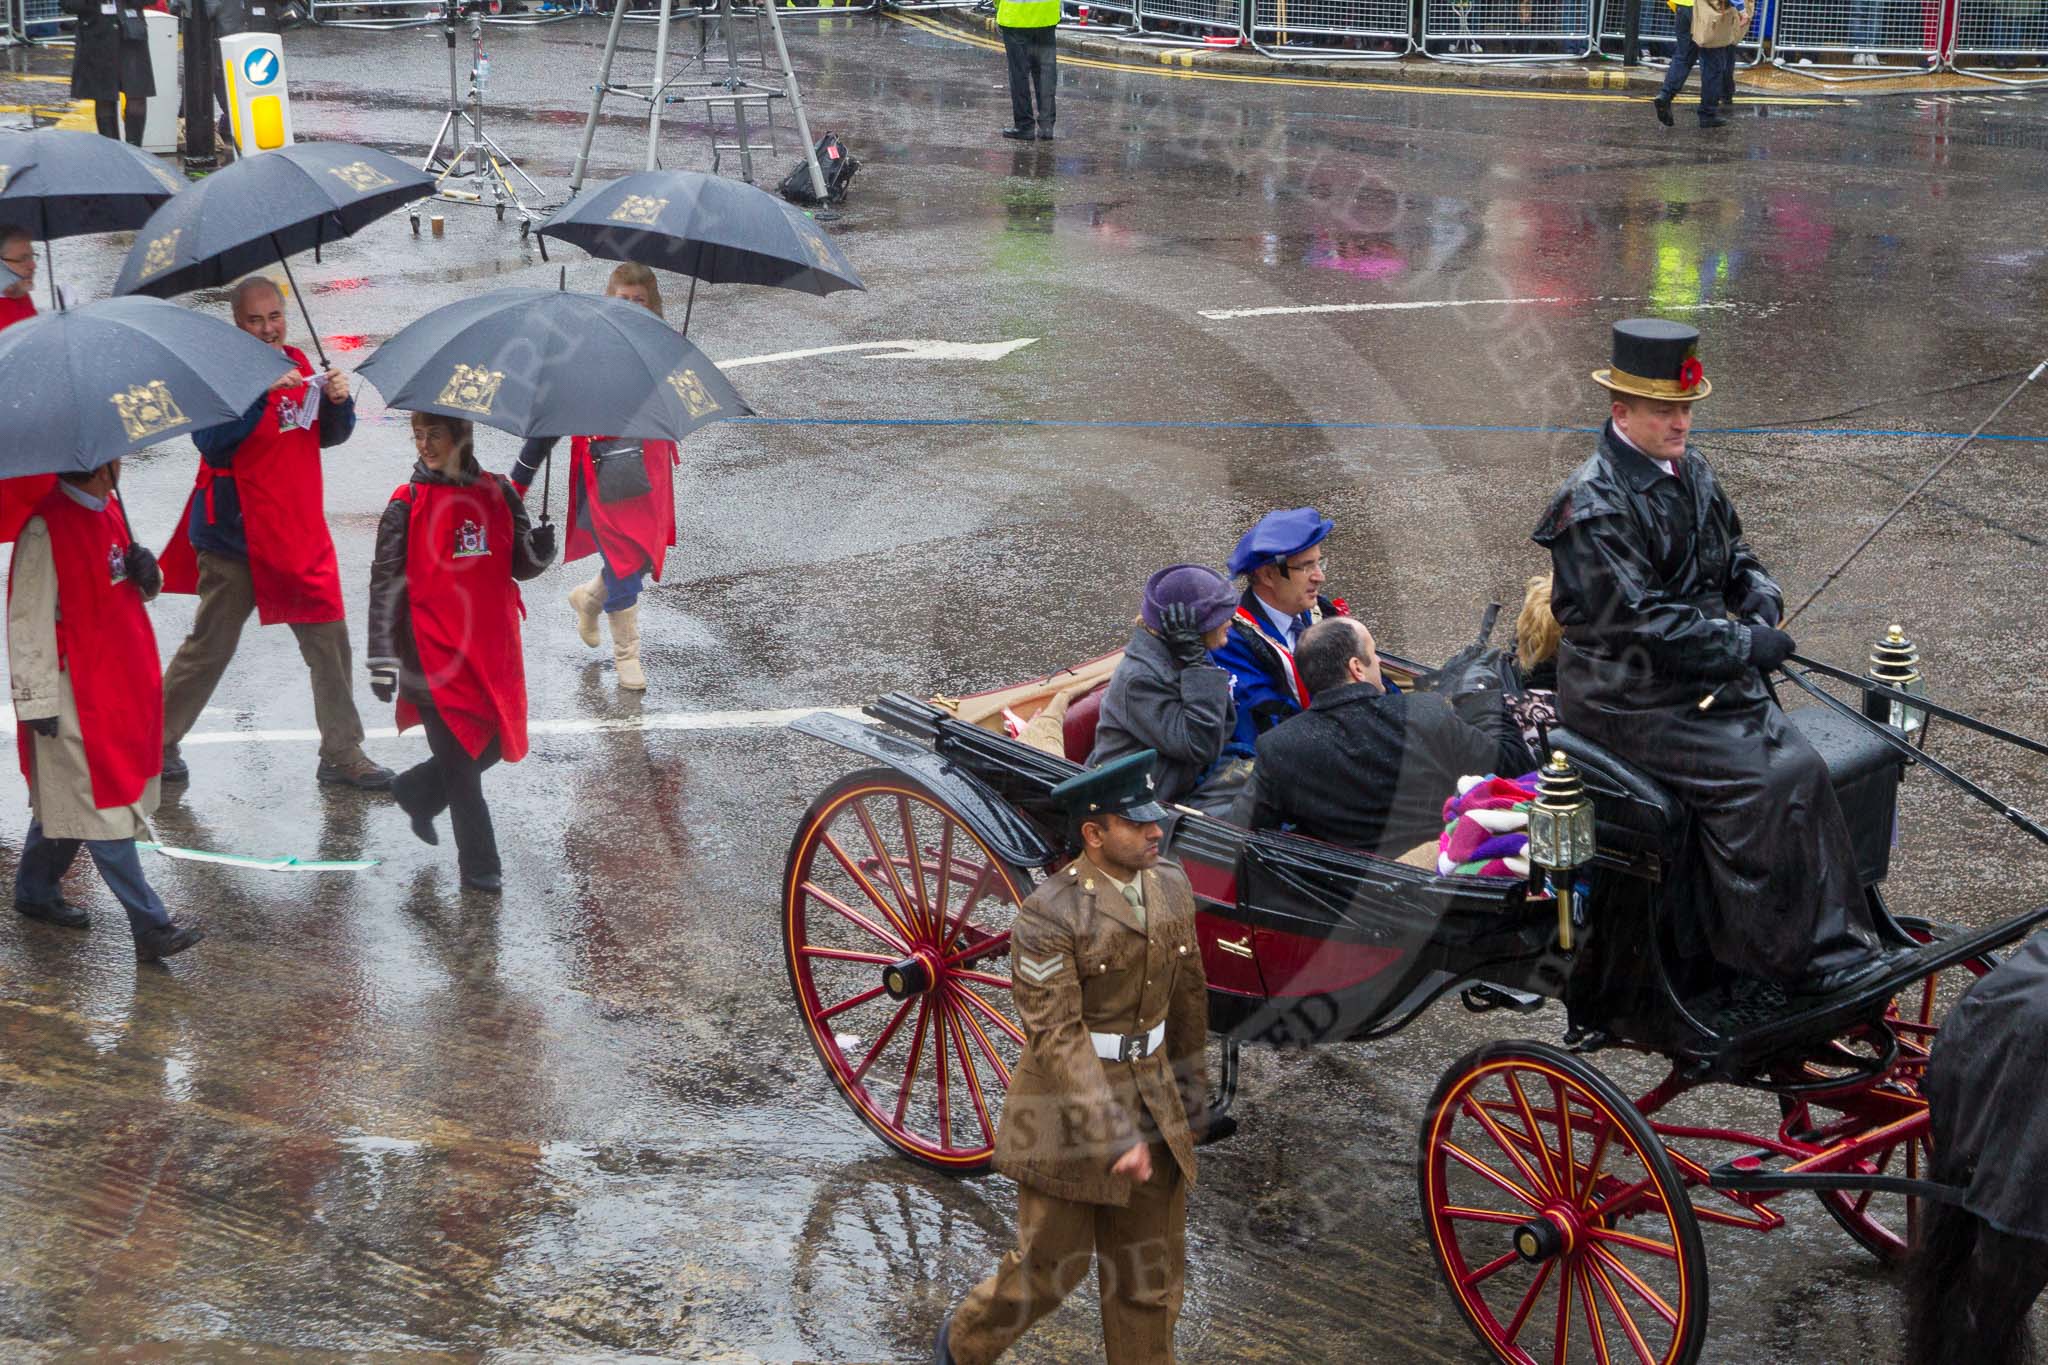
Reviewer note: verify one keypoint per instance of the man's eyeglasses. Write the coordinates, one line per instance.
(1306, 566)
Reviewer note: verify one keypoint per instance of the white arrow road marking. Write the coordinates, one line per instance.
(660, 720)
(1405, 306)
(901, 350)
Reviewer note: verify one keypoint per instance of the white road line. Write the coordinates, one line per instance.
(1405, 306)
(660, 720)
(898, 350)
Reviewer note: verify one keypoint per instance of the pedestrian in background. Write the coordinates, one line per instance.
(452, 547)
(18, 497)
(1029, 42)
(622, 508)
(110, 60)
(82, 663)
(1707, 31)
(254, 538)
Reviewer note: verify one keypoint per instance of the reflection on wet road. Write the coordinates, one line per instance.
(370, 1119)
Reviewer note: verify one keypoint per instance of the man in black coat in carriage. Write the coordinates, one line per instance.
(1663, 602)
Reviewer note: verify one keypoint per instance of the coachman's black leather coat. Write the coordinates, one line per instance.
(1650, 573)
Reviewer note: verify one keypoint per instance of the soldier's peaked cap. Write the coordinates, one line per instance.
(1122, 786)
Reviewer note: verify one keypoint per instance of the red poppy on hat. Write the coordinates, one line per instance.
(1691, 374)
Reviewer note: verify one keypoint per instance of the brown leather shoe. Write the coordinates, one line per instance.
(357, 772)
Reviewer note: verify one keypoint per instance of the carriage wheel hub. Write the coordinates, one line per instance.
(914, 975)
(1550, 1234)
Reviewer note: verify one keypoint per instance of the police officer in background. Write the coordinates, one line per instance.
(1099, 1127)
(1028, 28)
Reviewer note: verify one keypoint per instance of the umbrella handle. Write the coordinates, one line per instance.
(547, 481)
(311, 331)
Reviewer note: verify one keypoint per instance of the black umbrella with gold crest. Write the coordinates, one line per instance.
(89, 385)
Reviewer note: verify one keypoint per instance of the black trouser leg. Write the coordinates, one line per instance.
(1017, 44)
(134, 116)
(476, 844)
(1045, 73)
(107, 114)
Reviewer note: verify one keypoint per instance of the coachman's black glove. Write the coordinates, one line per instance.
(142, 571)
(1769, 647)
(384, 681)
(1761, 607)
(46, 726)
(541, 540)
(1182, 632)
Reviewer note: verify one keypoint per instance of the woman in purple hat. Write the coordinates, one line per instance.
(1168, 694)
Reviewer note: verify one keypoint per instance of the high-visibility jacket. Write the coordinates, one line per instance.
(1027, 13)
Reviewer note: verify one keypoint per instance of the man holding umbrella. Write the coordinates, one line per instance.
(18, 497)
(255, 539)
(89, 737)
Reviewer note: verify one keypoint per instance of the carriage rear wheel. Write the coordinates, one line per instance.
(896, 933)
(1887, 1225)
(1560, 1222)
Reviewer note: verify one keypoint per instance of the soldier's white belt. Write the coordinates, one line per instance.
(1116, 1047)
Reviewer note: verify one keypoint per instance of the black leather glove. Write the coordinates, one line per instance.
(143, 571)
(384, 681)
(1761, 607)
(1769, 647)
(1182, 632)
(46, 726)
(541, 540)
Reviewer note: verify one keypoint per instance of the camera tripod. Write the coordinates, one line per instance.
(467, 166)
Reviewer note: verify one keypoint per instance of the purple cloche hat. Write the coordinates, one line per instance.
(1198, 585)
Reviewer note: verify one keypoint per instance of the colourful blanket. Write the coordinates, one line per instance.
(1486, 828)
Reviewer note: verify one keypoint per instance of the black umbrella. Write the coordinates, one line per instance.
(707, 227)
(263, 209)
(537, 362)
(85, 386)
(58, 183)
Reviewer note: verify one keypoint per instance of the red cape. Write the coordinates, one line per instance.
(634, 533)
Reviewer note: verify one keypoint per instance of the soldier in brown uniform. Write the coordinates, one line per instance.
(1099, 1127)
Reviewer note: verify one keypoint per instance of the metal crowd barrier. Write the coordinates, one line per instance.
(381, 17)
(2001, 40)
(1507, 30)
(1190, 21)
(1111, 20)
(1819, 37)
(1660, 32)
(1365, 29)
(43, 23)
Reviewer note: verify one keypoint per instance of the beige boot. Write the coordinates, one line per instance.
(587, 600)
(626, 647)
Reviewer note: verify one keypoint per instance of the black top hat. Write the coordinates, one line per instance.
(1656, 359)
(1122, 786)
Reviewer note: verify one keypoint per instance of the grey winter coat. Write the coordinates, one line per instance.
(1154, 703)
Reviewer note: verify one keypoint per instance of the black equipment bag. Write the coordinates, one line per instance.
(834, 162)
(621, 470)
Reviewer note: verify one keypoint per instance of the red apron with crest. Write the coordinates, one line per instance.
(118, 685)
(632, 534)
(465, 612)
(284, 516)
(19, 497)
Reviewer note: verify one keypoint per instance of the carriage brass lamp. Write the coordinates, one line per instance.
(1561, 833)
(1896, 663)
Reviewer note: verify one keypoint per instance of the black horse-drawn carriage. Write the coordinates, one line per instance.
(1564, 1213)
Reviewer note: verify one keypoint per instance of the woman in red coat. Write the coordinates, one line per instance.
(622, 508)
(452, 547)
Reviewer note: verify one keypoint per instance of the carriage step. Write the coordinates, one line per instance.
(1485, 997)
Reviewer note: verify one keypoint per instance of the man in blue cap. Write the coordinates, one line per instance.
(1099, 1125)
(1284, 568)
(1168, 695)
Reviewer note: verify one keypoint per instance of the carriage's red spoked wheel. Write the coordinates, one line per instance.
(1887, 1225)
(896, 930)
(1560, 1223)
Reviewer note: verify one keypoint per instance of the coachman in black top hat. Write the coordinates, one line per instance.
(1662, 601)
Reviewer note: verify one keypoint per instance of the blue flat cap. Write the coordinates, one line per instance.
(1279, 535)
(1122, 786)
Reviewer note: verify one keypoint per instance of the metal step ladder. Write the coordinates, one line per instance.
(737, 94)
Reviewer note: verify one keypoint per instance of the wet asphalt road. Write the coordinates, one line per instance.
(371, 1119)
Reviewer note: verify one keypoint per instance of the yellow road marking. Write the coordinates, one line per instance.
(1183, 73)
